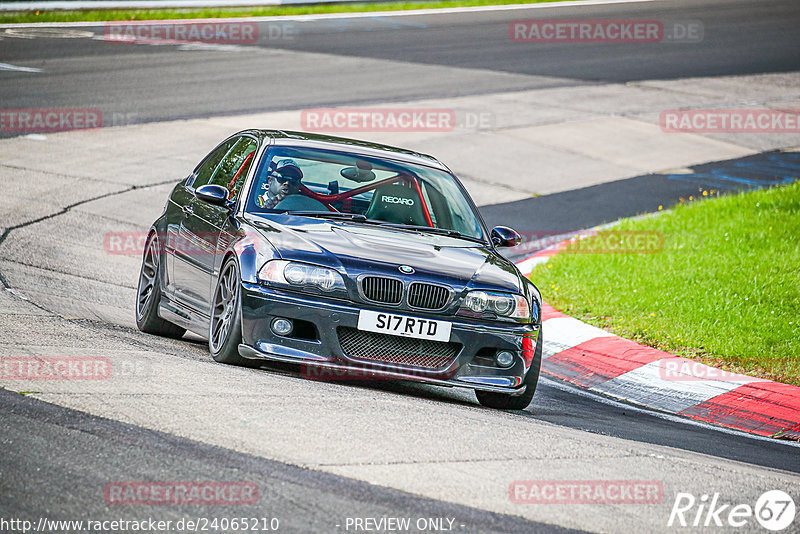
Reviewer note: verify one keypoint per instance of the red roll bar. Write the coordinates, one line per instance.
(330, 199)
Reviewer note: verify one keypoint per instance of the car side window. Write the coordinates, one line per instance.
(205, 171)
(233, 169)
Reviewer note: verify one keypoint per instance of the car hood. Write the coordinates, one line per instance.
(354, 249)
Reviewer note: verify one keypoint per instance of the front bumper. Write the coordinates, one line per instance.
(323, 357)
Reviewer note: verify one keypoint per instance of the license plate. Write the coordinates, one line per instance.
(401, 325)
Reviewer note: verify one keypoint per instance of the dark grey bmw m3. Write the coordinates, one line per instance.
(346, 257)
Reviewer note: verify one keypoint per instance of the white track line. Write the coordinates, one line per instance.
(7, 66)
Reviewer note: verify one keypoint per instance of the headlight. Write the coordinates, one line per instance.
(301, 275)
(501, 304)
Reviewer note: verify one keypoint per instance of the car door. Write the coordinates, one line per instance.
(202, 223)
(183, 251)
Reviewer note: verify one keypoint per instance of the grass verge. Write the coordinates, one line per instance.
(724, 290)
(212, 13)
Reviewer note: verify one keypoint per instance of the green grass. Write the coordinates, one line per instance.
(725, 289)
(166, 14)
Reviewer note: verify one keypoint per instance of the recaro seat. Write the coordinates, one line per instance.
(396, 203)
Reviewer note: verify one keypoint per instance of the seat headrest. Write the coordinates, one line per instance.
(396, 203)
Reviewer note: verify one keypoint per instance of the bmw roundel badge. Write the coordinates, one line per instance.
(406, 269)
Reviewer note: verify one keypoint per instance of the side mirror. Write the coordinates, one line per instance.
(503, 236)
(213, 194)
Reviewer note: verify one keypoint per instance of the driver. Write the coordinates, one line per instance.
(283, 181)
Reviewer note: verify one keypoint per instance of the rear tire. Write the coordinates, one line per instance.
(148, 294)
(225, 329)
(501, 401)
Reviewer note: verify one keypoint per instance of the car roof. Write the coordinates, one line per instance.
(310, 140)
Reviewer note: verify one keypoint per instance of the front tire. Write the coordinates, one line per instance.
(502, 401)
(225, 331)
(148, 294)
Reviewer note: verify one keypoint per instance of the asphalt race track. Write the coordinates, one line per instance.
(323, 452)
(336, 61)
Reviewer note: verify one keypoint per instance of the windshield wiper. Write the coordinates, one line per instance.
(330, 215)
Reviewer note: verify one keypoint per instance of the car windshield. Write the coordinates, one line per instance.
(362, 189)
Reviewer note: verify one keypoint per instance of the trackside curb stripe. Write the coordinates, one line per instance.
(764, 408)
(597, 360)
(646, 386)
(600, 359)
(566, 332)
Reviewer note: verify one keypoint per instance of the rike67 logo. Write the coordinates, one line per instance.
(774, 510)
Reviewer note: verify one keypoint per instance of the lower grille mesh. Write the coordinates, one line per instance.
(396, 350)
